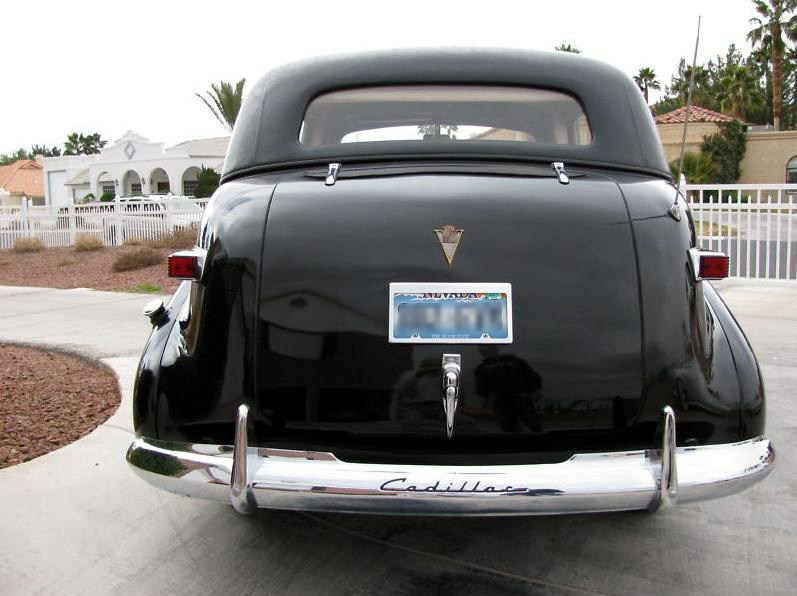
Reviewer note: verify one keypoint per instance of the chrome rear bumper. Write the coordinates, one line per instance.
(251, 477)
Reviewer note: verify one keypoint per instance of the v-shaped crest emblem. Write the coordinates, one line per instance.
(448, 237)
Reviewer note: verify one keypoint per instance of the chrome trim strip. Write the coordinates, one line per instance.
(240, 487)
(313, 481)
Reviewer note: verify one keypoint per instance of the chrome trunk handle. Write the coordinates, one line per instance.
(452, 373)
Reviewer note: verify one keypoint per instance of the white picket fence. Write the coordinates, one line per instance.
(755, 224)
(114, 222)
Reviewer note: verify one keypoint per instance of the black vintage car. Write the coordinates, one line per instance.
(448, 282)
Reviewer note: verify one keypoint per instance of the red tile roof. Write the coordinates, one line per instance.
(25, 176)
(696, 114)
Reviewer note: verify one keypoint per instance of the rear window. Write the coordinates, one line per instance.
(450, 113)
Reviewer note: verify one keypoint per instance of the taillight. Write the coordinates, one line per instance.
(714, 266)
(708, 264)
(186, 264)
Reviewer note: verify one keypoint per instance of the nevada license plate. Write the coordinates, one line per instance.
(479, 313)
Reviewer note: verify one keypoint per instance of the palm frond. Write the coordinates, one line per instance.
(225, 102)
(212, 109)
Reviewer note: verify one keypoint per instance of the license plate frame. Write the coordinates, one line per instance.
(405, 288)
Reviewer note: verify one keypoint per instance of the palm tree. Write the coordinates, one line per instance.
(566, 47)
(790, 93)
(680, 84)
(739, 91)
(774, 23)
(44, 150)
(698, 168)
(646, 80)
(758, 60)
(226, 102)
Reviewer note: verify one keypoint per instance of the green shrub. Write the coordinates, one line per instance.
(207, 182)
(22, 245)
(138, 258)
(726, 149)
(107, 197)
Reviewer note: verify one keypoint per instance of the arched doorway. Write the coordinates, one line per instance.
(106, 187)
(159, 182)
(131, 184)
(189, 181)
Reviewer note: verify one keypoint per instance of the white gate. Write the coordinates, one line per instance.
(755, 224)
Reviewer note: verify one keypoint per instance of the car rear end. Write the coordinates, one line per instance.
(442, 327)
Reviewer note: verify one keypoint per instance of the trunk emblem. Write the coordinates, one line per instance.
(448, 237)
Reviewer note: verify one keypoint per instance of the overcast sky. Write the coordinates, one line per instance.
(110, 66)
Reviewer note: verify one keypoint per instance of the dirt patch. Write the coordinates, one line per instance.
(66, 268)
(48, 400)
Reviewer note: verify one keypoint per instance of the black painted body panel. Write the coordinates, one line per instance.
(290, 317)
(327, 375)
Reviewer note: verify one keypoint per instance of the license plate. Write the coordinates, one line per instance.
(479, 313)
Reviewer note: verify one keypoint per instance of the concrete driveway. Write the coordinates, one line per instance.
(77, 521)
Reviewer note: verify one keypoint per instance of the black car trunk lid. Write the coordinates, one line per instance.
(328, 379)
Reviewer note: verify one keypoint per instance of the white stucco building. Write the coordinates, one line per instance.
(131, 165)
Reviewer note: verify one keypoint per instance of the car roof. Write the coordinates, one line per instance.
(266, 133)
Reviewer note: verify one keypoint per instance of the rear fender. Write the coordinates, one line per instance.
(689, 363)
(751, 384)
(145, 390)
(197, 367)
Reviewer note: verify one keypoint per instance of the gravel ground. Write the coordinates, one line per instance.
(65, 268)
(48, 400)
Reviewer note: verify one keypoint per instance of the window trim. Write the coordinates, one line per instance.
(791, 170)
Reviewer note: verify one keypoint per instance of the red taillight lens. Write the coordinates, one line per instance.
(184, 266)
(714, 266)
